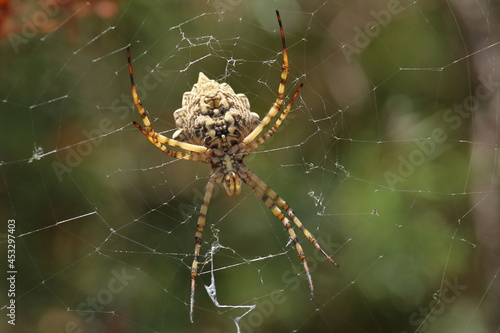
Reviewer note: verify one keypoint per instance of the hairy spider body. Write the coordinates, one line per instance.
(215, 126)
(212, 115)
(212, 110)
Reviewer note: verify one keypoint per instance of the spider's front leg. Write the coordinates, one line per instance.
(281, 90)
(250, 139)
(156, 138)
(278, 122)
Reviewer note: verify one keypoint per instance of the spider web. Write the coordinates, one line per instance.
(390, 158)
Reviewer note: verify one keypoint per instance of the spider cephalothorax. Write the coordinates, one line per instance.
(215, 126)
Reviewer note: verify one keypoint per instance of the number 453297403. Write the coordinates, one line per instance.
(11, 244)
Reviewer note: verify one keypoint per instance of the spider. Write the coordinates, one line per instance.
(215, 126)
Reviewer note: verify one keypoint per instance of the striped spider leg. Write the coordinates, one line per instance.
(157, 139)
(279, 99)
(215, 126)
(277, 206)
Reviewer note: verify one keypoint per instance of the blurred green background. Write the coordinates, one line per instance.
(390, 158)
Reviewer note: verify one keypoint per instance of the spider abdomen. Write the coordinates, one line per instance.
(211, 111)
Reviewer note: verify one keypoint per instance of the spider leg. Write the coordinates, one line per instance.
(197, 238)
(281, 90)
(278, 122)
(253, 181)
(173, 153)
(286, 222)
(149, 131)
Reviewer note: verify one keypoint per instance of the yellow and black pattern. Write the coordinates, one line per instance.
(215, 126)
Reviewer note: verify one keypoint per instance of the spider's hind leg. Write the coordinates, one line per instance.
(286, 222)
(200, 226)
(277, 205)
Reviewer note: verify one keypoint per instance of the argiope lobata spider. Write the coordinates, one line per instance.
(215, 126)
